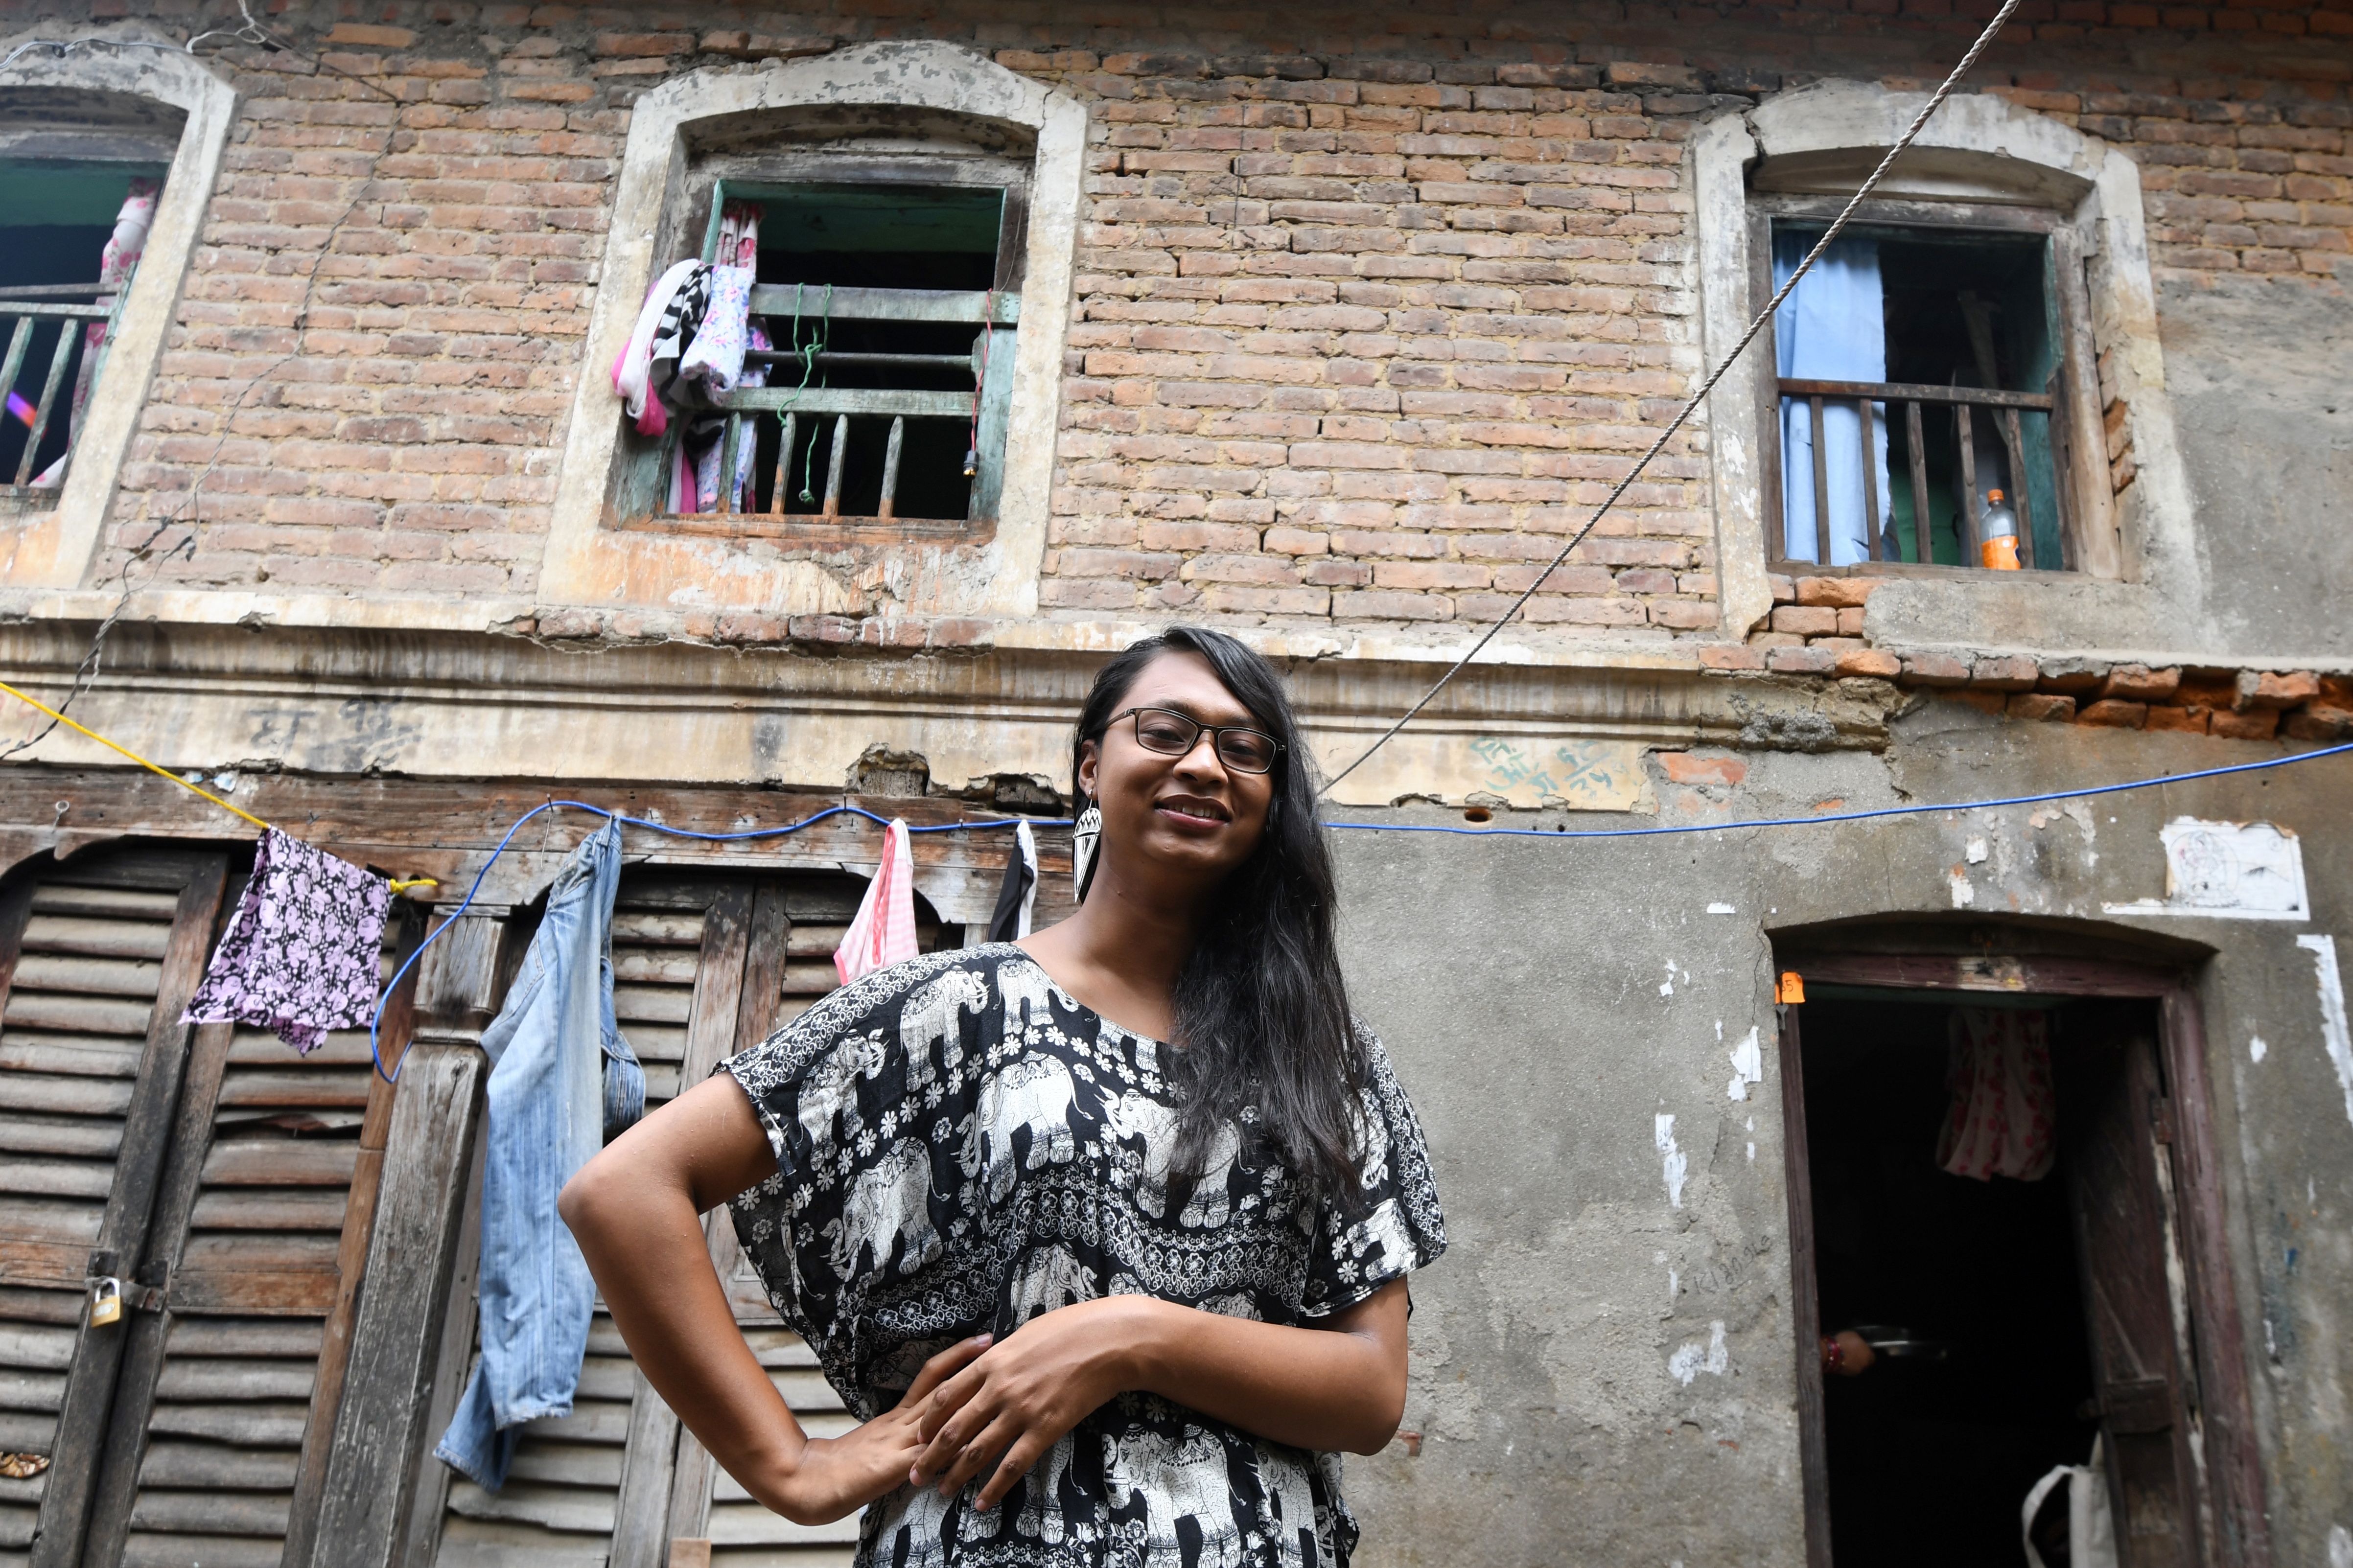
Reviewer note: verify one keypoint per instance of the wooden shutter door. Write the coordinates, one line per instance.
(703, 968)
(98, 958)
(209, 1450)
(678, 963)
(2117, 1115)
(798, 924)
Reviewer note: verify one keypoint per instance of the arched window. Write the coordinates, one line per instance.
(108, 156)
(1975, 330)
(885, 238)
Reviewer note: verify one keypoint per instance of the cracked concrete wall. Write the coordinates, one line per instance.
(1604, 1361)
(2265, 418)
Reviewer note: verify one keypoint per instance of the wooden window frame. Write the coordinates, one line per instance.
(2074, 405)
(62, 527)
(989, 405)
(2240, 1538)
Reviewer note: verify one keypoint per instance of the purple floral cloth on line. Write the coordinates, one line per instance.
(300, 956)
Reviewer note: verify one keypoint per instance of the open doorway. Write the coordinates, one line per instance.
(2006, 1250)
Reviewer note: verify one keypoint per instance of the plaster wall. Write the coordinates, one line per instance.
(1547, 1003)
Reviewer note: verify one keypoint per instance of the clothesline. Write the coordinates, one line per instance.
(1820, 819)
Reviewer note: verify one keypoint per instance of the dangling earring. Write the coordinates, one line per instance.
(1083, 835)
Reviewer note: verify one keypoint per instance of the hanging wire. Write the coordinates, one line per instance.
(374, 1023)
(1756, 326)
(820, 336)
(393, 1073)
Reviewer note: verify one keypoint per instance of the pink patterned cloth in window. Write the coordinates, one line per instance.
(300, 956)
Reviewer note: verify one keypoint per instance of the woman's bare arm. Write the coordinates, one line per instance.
(1340, 1387)
(635, 1211)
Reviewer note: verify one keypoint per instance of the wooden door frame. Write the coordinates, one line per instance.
(2234, 1472)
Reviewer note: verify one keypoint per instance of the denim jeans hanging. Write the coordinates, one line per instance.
(562, 1082)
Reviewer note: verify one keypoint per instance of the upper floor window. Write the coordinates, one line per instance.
(876, 301)
(1924, 381)
(72, 230)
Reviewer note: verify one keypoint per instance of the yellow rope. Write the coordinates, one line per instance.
(404, 883)
(134, 756)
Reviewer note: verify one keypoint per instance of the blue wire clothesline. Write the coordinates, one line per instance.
(393, 1076)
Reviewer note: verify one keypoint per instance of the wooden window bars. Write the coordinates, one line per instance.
(797, 409)
(29, 306)
(2002, 407)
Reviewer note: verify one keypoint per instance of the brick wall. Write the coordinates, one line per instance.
(1373, 303)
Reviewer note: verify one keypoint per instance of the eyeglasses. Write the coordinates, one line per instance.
(1174, 735)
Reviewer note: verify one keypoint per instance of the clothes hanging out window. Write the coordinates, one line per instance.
(71, 233)
(1921, 417)
(852, 364)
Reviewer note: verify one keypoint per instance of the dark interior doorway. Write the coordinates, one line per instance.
(2075, 1292)
(1932, 1448)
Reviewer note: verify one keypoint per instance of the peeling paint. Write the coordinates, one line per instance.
(2228, 870)
(1721, 910)
(2257, 1050)
(1689, 1360)
(2334, 1033)
(1964, 894)
(1662, 1134)
(1748, 1066)
(1976, 852)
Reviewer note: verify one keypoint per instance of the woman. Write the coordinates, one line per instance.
(1102, 1234)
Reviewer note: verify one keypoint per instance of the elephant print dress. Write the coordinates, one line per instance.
(961, 1146)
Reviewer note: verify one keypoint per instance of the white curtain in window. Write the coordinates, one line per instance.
(1832, 328)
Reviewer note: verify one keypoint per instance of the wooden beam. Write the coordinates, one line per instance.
(421, 1543)
(1906, 391)
(1805, 1295)
(883, 304)
(2233, 1455)
(641, 1526)
(447, 827)
(381, 1433)
(130, 1209)
(352, 1250)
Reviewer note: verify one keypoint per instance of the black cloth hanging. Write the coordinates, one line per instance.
(1018, 890)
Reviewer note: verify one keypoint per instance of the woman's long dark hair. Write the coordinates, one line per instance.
(1267, 1042)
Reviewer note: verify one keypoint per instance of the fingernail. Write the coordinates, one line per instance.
(985, 1339)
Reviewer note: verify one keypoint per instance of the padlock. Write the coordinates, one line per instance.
(105, 1302)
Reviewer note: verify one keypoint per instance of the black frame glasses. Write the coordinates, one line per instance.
(1216, 734)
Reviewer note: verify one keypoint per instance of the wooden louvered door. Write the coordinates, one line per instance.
(98, 957)
(274, 1139)
(703, 967)
(798, 925)
(677, 963)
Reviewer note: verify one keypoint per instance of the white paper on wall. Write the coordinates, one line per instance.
(2228, 870)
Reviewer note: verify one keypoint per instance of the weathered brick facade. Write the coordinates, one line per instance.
(1372, 306)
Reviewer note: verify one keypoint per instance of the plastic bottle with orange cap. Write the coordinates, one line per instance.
(1998, 535)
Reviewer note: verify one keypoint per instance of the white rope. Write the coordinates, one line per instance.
(1706, 386)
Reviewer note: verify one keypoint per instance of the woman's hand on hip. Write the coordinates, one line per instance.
(833, 1477)
(1020, 1398)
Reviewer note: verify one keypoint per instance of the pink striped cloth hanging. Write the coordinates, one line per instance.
(884, 931)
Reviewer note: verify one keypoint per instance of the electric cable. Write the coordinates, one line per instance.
(392, 1075)
(1756, 326)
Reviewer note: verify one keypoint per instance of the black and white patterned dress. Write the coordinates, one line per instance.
(961, 1146)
